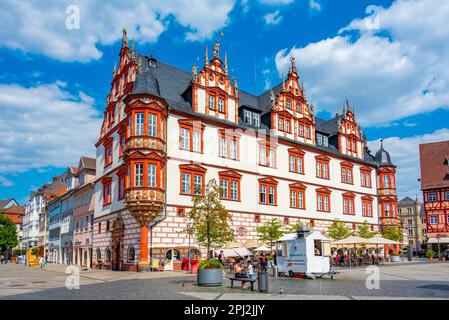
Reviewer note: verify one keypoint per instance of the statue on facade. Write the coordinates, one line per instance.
(216, 49)
(195, 72)
(293, 64)
(272, 98)
(236, 88)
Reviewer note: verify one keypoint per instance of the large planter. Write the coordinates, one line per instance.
(395, 259)
(210, 277)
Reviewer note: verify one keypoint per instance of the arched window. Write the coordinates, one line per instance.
(131, 254)
(108, 255)
(98, 254)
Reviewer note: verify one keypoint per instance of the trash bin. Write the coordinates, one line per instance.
(262, 281)
(274, 268)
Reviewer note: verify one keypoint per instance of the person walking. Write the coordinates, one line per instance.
(2, 257)
(263, 262)
(41, 263)
(250, 270)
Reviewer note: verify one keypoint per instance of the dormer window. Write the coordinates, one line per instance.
(289, 104)
(251, 118)
(322, 140)
(152, 63)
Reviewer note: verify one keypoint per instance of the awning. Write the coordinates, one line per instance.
(438, 240)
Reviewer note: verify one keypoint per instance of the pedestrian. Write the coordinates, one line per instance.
(250, 270)
(1, 258)
(41, 263)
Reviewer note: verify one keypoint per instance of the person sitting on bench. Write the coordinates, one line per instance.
(240, 272)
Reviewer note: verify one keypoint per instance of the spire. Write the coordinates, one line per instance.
(206, 57)
(226, 63)
(348, 105)
(283, 82)
(293, 64)
(115, 67)
(133, 52)
(302, 88)
(217, 49)
(124, 38)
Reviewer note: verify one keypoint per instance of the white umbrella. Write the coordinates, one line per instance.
(262, 248)
(380, 240)
(353, 240)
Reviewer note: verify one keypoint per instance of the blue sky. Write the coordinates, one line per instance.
(388, 57)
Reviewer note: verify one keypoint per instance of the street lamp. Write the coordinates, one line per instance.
(438, 242)
(188, 250)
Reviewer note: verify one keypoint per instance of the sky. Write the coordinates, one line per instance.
(56, 62)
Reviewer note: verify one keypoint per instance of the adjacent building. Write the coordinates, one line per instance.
(411, 213)
(83, 213)
(167, 132)
(434, 158)
(16, 214)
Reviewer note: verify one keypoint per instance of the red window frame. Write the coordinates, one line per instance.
(229, 136)
(159, 173)
(297, 188)
(346, 167)
(230, 176)
(324, 162)
(365, 177)
(160, 124)
(324, 193)
(367, 203)
(265, 145)
(107, 152)
(192, 126)
(285, 119)
(107, 191)
(298, 155)
(267, 183)
(257, 218)
(350, 198)
(192, 170)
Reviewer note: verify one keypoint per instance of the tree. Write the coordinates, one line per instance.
(393, 233)
(297, 225)
(364, 230)
(210, 219)
(338, 230)
(8, 233)
(270, 231)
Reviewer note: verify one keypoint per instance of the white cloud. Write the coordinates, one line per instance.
(273, 18)
(386, 78)
(4, 182)
(44, 126)
(315, 5)
(276, 2)
(405, 155)
(39, 26)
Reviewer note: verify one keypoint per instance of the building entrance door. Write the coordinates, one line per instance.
(116, 256)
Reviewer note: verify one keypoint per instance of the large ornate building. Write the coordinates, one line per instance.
(166, 132)
(411, 213)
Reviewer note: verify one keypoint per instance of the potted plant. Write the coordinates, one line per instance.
(430, 254)
(210, 273)
(395, 257)
(443, 257)
(209, 224)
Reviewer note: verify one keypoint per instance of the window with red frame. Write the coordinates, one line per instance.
(323, 200)
(367, 207)
(257, 218)
(267, 155)
(365, 178)
(121, 187)
(322, 167)
(107, 154)
(297, 198)
(122, 144)
(147, 123)
(146, 174)
(192, 180)
(268, 191)
(296, 160)
(351, 144)
(229, 187)
(284, 124)
(181, 212)
(304, 131)
(286, 220)
(348, 204)
(107, 193)
(346, 174)
(228, 145)
(191, 135)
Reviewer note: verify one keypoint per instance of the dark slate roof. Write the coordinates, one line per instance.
(89, 163)
(382, 157)
(407, 201)
(171, 83)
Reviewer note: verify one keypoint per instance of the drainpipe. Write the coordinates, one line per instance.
(165, 197)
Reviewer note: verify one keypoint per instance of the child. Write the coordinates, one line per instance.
(250, 270)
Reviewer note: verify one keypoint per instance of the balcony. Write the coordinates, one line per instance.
(145, 142)
(145, 203)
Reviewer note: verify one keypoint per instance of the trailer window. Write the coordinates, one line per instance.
(327, 252)
(317, 247)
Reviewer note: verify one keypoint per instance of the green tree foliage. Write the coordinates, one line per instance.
(8, 233)
(297, 225)
(364, 231)
(270, 231)
(338, 230)
(393, 233)
(209, 219)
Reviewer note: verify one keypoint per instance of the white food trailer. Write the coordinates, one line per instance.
(305, 252)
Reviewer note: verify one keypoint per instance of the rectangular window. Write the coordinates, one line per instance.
(152, 125)
(271, 160)
(301, 130)
(223, 147)
(196, 141)
(197, 184)
(292, 198)
(234, 190)
(211, 102)
(262, 193)
(224, 188)
(247, 117)
(323, 202)
(289, 104)
(185, 139)
(325, 141)
(138, 175)
(432, 196)
(233, 149)
(292, 164)
(319, 139)
(186, 183)
(221, 105)
(121, 188)
(446, 196)
(297, 198)
(433, 219)
(139, 124)
(346, 175)
(322, 169)
(271, 195)
(256, 119)
(307, 132)
(152, 175)
(107, 194)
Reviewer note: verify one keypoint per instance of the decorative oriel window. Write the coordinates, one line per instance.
(346, 172)
(367, 206)
(296, 160)
(146, 173)
(228, 144)
(191, 135)
(230, 185)
(322, 166)
(268, 191)
(348, 203)
(365, 177)
(147, 123)
(323, 200)
(267, 153)
(297, 196)
(192, 179)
